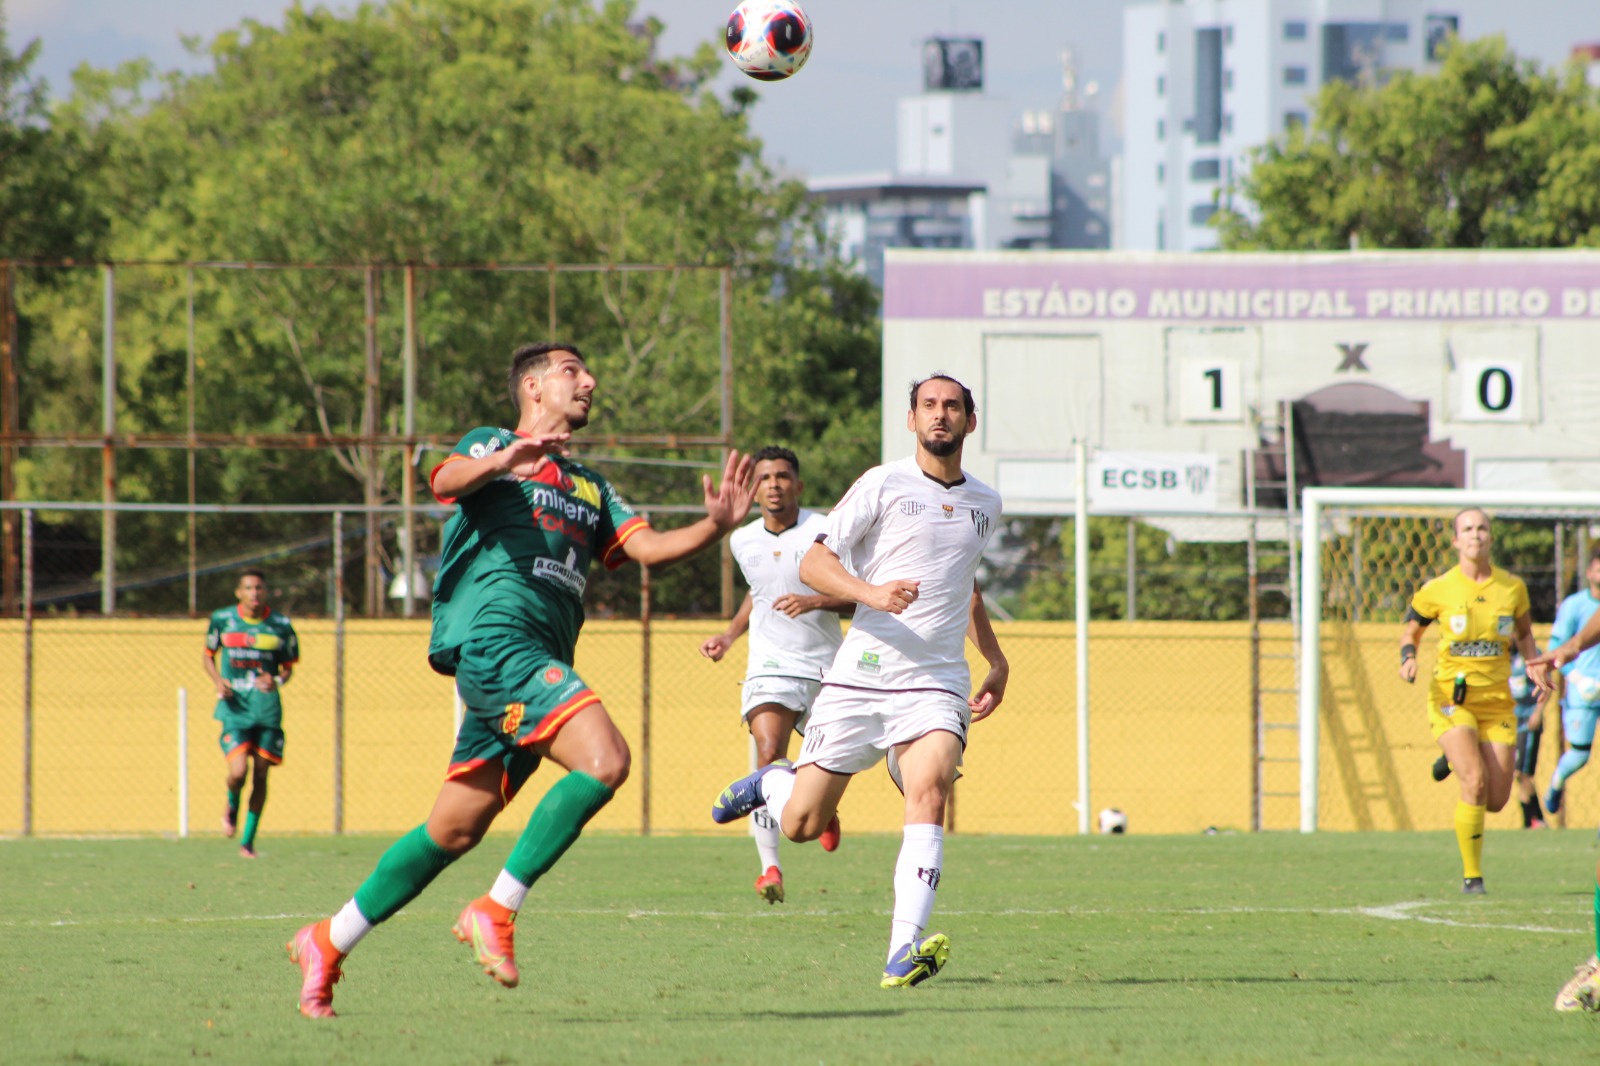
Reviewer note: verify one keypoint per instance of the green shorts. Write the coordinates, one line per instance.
(539, 696)
(263, 740)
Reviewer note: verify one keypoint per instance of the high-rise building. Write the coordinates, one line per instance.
(1206, 80)
(972, 173)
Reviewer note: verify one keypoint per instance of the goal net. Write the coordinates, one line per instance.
(1363, 739)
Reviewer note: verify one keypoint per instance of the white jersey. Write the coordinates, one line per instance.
(897, 523)
(781, 646)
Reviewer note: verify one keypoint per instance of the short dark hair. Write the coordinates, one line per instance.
(251, 571)
(966, 393)
(532, 359)
(778, 451)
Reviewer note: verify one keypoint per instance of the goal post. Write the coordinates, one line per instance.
(1365, 550)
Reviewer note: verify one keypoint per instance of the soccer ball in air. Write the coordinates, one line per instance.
(1113, 820)
(769, 39)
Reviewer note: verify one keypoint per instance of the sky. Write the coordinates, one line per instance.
(837, 116)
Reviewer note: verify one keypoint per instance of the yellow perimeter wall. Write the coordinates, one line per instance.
(1170, 733)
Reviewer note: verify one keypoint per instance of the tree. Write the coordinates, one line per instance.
(458, 132)
(1486, 153)
(43, 214)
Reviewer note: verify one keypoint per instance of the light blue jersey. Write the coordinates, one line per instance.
(1582, 675)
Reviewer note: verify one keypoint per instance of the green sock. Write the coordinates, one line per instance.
(408, 867)
(1597, 916)
(233, 800)
(248, 838)
(555, 824)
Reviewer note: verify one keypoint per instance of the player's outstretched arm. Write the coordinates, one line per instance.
(714, 648)
(726, 503)
(821, 569)
(981, 632)
(521, 458)
(1564, 653)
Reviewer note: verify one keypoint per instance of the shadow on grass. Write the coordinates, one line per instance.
(721, 1017)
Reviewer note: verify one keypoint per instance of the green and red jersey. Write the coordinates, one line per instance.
(517, 551)
(244, 648)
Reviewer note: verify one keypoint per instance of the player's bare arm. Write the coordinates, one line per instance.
(1410, 634)
(1530, 650)
(1557, 657)
(521, 458)
(726, 505)
(822, 570)
(980, 631)
(795, 605)
(714, 648)
(221, 686)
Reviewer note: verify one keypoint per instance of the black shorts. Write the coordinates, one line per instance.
(1527, 759)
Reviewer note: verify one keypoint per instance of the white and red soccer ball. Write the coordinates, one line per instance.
(769, 39)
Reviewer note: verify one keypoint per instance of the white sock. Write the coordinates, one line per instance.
(916, 878)
(348, 927)
(764, 827)
(776, 787)
(508, 892)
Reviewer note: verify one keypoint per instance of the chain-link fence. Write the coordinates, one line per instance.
(1376, 745)
(103, 746)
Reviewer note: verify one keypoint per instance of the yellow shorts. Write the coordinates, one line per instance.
(1490, 711)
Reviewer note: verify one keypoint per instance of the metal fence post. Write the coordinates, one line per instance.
(338, 672)
(644, 697)
(27, 673)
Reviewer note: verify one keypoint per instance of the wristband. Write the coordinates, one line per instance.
(1407, 653)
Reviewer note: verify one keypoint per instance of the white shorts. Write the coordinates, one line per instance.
(795, 693)
(851, 728)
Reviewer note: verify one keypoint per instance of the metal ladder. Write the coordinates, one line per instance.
(1274, 702)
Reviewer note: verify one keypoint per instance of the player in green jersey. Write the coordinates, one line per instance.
(507, 607)
(250, 653)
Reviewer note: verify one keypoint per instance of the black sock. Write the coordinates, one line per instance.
(1530, 812)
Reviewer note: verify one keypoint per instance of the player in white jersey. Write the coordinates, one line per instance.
(794, 634)
(904, 544)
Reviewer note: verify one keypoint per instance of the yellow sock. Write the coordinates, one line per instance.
(1469, 836)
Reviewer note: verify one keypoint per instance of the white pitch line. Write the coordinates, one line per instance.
(1404, 911)
(1394, 912)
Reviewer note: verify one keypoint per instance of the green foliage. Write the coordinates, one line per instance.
(459, 132)
(1173, 580)
(43, 210)
(1486, 153)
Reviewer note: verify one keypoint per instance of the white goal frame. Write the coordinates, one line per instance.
(1313, 501)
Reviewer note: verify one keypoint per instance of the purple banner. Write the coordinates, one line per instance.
(1246, 288)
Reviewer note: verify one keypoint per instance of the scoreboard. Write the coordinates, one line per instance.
(1448, 369)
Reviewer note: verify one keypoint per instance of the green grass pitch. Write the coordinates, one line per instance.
(1228, 949)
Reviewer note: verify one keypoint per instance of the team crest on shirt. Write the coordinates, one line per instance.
(513, 719)
(1458, 624)
(1504, 624)
(586, 490)
(553, 675)
(980, 522)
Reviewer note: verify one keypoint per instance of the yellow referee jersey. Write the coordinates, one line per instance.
(1477, 623)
